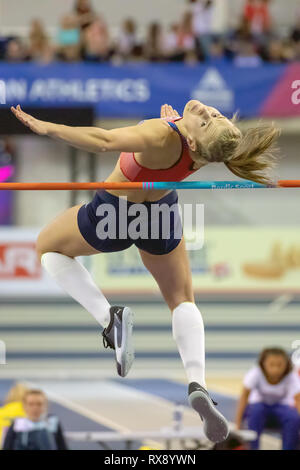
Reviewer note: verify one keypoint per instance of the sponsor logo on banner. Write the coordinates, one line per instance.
(19, 261)
(213, 90)
(284, 100)
(296, 94)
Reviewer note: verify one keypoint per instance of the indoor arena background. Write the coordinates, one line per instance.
(246, 275)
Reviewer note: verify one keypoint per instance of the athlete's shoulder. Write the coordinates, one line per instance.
(153, 121)
(157, 126)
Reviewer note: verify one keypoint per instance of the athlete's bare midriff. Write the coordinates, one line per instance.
(160, 159)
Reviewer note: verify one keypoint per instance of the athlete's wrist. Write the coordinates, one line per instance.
(52, 129)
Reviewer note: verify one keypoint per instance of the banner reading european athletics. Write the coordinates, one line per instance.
(138, 90)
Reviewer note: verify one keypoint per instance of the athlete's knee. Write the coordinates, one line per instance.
(175, 301)
(181, 294)
(43, 246)
(177, 296)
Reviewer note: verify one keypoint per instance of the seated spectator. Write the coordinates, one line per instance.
(85, 13)
(202, 23)
(257, 13)
(275, 52)
(15, 51)
(234, 38)
(288, 50)
(217, 51)
(69, 39)
(296, 51)
(271, 392)
(37, 430)
(137, 54)
(295, 34)
(127, 39)
(202, 14)
(40, 49)
(191, 57)
(243, 31)
(95, 41)
(48, 54)
(12, 408)
(247, 55)
(153, 48)
(186, 37)
(37, 37)
(170, 44)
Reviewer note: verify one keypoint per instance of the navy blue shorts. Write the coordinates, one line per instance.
(109, 223)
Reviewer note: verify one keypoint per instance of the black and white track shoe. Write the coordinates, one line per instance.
(118, 336)
(215, 425)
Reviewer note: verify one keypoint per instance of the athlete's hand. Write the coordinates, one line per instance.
(168, 112)
(37, 126)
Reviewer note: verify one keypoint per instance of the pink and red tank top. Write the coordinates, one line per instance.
(133, 171)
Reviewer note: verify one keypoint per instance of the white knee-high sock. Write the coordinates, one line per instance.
(188, 332)
(78, 283)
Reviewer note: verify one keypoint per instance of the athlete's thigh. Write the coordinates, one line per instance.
(62, 235)
(172, 274)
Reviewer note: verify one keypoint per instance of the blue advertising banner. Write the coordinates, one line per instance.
(138, 90)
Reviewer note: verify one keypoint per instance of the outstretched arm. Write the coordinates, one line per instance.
(150, 135)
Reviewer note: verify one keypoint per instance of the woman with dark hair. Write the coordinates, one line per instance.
(85, 12)
(257, 13)
(271, 394)
(154, 43)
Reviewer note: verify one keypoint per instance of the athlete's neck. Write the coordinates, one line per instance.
(181, 126)
(182, 129)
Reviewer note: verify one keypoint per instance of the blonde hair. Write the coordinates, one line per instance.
(16, 393)
(251, 156)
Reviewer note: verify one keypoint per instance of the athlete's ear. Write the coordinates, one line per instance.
(191, 143)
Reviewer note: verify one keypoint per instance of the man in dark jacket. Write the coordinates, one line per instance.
(37, 431)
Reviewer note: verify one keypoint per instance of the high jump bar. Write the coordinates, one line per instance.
(147, 185)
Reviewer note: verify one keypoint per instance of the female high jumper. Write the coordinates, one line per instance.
(169, 148)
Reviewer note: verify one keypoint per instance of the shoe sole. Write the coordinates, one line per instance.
(127, 347)
(215, 425)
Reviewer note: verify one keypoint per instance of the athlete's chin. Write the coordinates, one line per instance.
(189, 105)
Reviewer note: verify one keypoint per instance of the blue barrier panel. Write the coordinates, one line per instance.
(138, 90)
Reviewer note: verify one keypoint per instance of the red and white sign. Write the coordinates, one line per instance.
(19, 260)
(21, 274)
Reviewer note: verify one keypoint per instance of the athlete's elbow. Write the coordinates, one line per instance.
(102, 149)
(108, 142)
(104, 144)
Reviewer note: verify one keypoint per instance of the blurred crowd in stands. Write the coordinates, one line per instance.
(83, 34)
